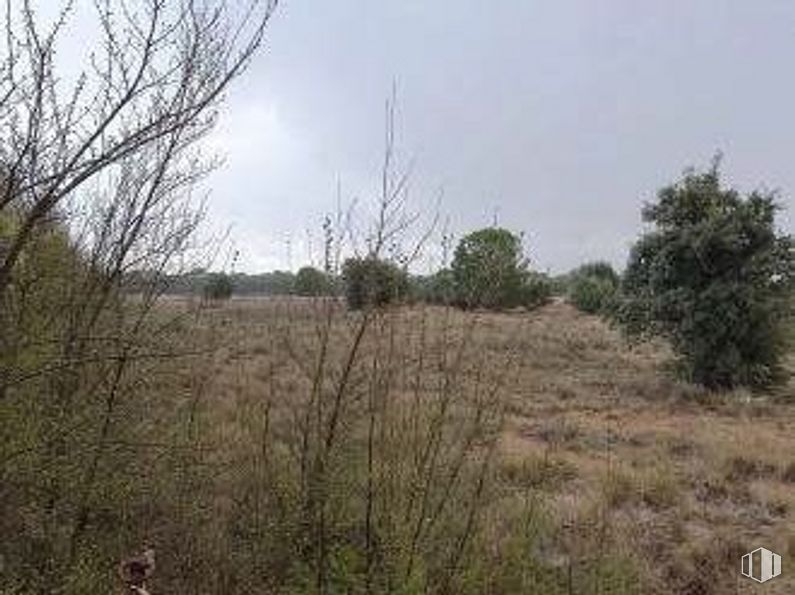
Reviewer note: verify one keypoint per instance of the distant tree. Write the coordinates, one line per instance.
(441, 287)
(310, 281)
(715, 278)
(218, 287)
(418, 288)
(276, 283)
(373, 282)
(436, 288)
(489, 269)
(592, 287)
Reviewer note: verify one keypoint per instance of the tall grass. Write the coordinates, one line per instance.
(378, 463)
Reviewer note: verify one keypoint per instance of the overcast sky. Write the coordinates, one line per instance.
(564, 117)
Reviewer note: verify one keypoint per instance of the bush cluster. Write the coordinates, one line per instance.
(592, 287)
(372, 282)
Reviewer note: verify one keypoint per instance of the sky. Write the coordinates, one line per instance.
(557, 119)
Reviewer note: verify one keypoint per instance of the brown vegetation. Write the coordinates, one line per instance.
(607, 475)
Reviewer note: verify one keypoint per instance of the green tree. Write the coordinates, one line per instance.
(371, 281)
(489, 269)
(715, 278)
(310, 281)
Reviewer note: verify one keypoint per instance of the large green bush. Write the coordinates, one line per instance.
(715, 278)
(489, 269)
(592, 294)
(373, 282)
(592, 287)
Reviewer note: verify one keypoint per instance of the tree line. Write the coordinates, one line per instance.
(713, 276)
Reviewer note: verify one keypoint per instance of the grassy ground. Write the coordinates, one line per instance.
(688, 478)
(625, 463)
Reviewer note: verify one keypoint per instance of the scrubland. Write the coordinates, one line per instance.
(422, 448)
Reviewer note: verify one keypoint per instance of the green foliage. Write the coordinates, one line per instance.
(47, 268)
(715, 278)
(373, 282)
(311, 282)
(194, 281)
(218, 287)
(789, 323)
(438, 288)
(600, 270)
(592, 287)
(489, 269)
(536, 290)
(592, 294)
(559, 284)
(272, 283)
(69, 372)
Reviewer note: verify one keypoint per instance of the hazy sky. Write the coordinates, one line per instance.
(564, 116)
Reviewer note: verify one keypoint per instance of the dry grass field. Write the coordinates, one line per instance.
(632, 479)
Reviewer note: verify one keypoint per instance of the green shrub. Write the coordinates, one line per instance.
(715, 278)
(489, 269)
(592, 287)
(373, 282)
(311, 282)
(600, 270)
(536, 290)
(592, 294)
